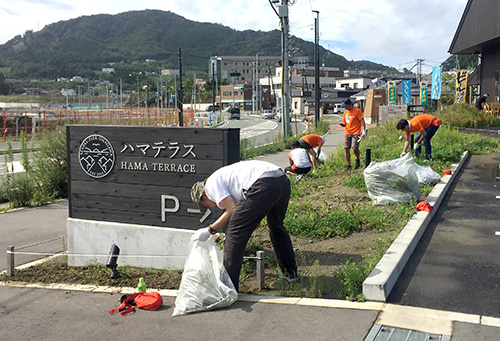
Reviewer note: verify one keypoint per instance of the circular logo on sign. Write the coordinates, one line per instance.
(96, 156)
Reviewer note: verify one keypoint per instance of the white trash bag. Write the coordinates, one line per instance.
(321, 157)
(393, 181)
(205, 283)
(426, 176)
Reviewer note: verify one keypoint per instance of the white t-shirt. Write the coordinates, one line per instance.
(233, 179)
(300, 158)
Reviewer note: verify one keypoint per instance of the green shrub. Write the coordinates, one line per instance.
(466, 116)
(45, 176)
(19, 189)
(50, 166)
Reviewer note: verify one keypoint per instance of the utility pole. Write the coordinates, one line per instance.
(181, 91)
(316, 70)
(419, 70)
(285, 88)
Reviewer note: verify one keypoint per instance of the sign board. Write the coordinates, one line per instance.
(423, 93)
(406, 86)
(392, 92)
(437, 72)
(461, 86)
(143, 175)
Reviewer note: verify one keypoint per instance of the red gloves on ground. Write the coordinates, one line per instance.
(424, 206)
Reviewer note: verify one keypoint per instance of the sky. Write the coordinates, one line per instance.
(391, 32)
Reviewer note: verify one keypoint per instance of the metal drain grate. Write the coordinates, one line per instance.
(384, 333)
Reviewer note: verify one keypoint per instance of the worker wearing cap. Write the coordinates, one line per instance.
(426, 126)
(481, 101)
(352, 120)
(247, 191)
(309, 142)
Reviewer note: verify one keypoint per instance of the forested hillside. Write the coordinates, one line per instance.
(84, 45)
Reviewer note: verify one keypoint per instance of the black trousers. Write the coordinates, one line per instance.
(266, 197)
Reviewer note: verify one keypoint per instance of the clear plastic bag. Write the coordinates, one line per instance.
(426, 176)
(321, 157)
(393, 181)
(205, 283)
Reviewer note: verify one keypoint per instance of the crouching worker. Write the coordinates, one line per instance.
(426, 126)
(300, 161)
(309, 142)
(247, 191)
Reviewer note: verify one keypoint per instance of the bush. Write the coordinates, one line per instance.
(50, 166)
(466, 116)
(45, 177)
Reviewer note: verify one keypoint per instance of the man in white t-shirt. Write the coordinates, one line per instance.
(247, 191)
(300, 161)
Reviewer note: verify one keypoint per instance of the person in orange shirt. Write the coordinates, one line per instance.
(426, 126)
(309, 142)
(352, 120)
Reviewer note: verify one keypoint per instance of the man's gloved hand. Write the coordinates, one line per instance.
(402, 154)
(363, 135)
(201, 234)
(416, 145)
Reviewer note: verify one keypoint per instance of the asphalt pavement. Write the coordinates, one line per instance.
(81, 312)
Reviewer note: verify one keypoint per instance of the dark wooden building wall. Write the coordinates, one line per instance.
(132, 191)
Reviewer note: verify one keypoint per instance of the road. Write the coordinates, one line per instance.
(261, 131)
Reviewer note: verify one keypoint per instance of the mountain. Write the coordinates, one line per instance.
(86, 44)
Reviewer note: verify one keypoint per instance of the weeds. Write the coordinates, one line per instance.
(353, 274)
(45, 176)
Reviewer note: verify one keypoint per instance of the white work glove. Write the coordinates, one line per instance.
(201, 234)
(416, 145)
(363, 135)
(402, 154)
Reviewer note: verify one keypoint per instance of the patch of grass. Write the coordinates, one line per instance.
(466, 116)
(352, 274)
(357, 181)
(314, 224)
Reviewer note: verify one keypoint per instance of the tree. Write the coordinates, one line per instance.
(5, 87)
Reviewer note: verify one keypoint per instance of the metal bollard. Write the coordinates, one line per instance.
(10, 261)
(260, 269)
(368, 155)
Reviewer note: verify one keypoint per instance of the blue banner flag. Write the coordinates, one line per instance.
(406, 85)
(437, 72)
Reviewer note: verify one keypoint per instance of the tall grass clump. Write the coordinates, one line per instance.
(44, 178)
(466, 116)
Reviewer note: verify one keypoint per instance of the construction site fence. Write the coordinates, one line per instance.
(34, 123)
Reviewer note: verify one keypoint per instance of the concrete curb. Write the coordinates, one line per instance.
(379, 283)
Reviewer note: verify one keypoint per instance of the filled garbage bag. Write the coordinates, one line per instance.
(426, 176)
(205, 283)
(393, 181)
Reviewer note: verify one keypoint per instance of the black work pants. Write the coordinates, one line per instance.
(266, 197)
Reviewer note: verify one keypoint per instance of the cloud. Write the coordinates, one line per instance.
(384, 31)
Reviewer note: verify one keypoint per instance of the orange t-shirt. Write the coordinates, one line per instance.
(419, 123)
(314, 140)
(352, 120)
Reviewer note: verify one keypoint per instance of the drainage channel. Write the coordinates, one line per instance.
(385, 333)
